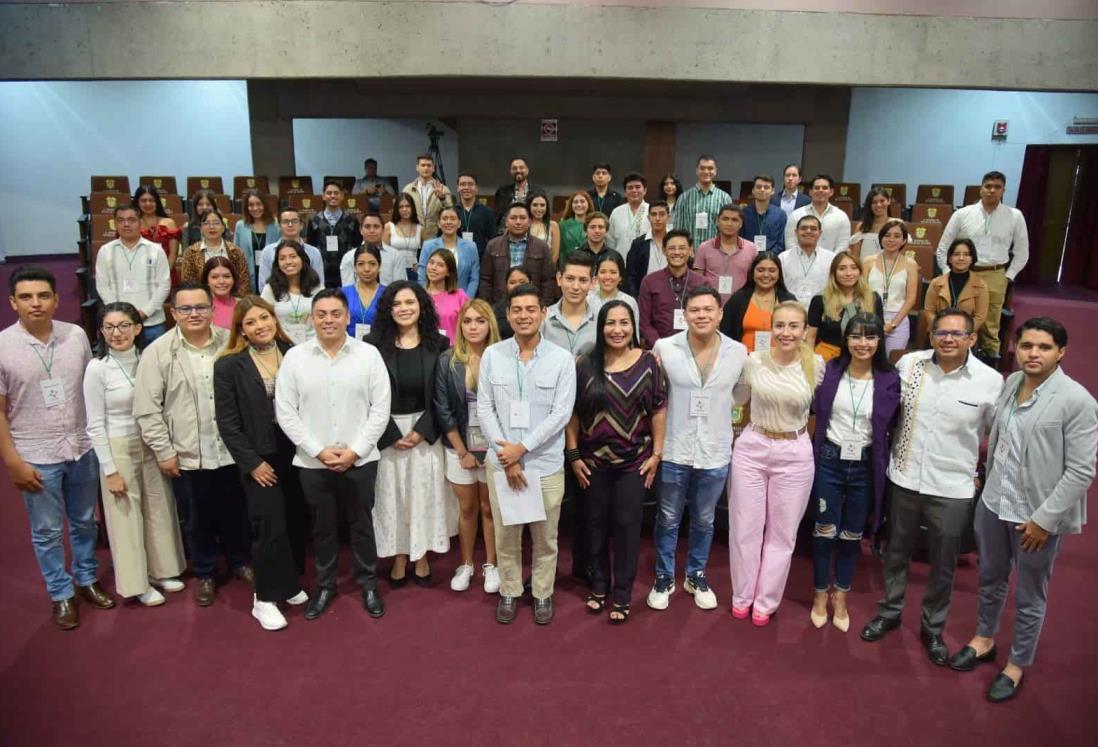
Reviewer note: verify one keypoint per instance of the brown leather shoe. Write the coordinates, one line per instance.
(95, 596)
(64, 614)
(205, 591)
(245, 574)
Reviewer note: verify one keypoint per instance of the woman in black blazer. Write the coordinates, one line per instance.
(748, 310)
(413, 510)
(244, 384)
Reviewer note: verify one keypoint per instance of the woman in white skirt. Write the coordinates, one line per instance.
(413, 511)
(142, 526)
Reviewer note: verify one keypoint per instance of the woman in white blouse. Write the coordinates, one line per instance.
(142, 526)
(291, 289)
(772, 465)
(609, 273)
(405, 233)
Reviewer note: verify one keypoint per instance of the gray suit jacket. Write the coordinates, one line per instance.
(1058, 454)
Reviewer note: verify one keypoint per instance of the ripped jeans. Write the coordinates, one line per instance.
(843, 493)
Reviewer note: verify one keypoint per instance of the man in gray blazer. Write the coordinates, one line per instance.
(1040, 465)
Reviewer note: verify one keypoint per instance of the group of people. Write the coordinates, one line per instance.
(464, 401)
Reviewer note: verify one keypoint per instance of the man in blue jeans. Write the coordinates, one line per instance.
(702, 365)
(44, 440)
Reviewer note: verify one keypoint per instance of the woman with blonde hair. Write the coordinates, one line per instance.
(244, 386)
(573, 231)
(772, 464)
(845, 295)
(455, 404)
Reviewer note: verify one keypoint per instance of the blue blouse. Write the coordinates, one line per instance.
(360, 315)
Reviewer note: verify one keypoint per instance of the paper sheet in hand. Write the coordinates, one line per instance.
(520, 506)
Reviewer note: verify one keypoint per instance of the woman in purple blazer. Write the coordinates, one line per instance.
(856, 406)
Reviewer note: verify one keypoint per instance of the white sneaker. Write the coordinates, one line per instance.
(491, 579)
(268, 614)
(704, 597)
(168, 584)
(661, 593)
(151, 598)
(462, 575)
(298, 599)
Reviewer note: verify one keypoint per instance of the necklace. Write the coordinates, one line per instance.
(257, 357)
(768, 305)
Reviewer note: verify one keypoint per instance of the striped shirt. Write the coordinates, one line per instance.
(1003, 496)
(620, 434)
(692, 202)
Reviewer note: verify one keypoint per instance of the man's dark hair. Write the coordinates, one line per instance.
(1047, 324)
(31, 272)
(368, 161)
(580, 258)
(525, 208)
(994, 175)
(468, 174)
(701, 290)
(826, 177)
(370, 213)
(731, 207)
(634, 176)
(526, 289)
(425, 157)
(970, 323)
(658, 204)
(602, 165)
(190, 285)
(678, 233)
(333, 183)
(336, 293)
(764, 178)
(705, 157)
(124, 208)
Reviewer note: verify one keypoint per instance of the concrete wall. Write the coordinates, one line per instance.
(214, 40)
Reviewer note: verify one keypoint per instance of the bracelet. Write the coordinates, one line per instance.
(572, 455)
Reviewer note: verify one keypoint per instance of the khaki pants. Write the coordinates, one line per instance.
(543, 534)
(996, 293)
(142, 527)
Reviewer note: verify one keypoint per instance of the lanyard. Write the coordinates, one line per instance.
(703, 373)
(800, 260)
(128, 255)
(519, 376)
(295, 308)
(887, 273)
(855, 405)
(599, 201)
(46, 365)
(129, 379)
(987, 220)
(680, 298)
(466, 219)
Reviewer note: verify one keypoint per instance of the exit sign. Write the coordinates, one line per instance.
(1082, 130)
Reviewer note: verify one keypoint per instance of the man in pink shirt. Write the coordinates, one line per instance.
(725, 259)
(44, 440)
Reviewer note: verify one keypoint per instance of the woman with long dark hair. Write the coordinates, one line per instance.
(156, 225)
(405, 232)
(895, 277)
(542, 225)
(609, 274)
(201, 202)
(244, 385)
(856, 406)
(441, 285)
(573, 225)
(256, 228)
(958, 287)
(362, 297)
(219, 277)
(872, 217)
(138, 507)
(291, 288)
(670, 191)
(614, 443)
(413, 513)
(747, 313)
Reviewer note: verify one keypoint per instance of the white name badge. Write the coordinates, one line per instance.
(1002, 449)
(680, 319)
(850, 451)
(467, 235)
(474, 418)
(331, 243)
(724, 285)
(519, 414)
(127, 286)
(701, 220)
(361, 330)
(760, 242)
(53, 392)
(699, 404)
(762, 340)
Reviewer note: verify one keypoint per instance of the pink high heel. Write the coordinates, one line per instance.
(759, 620)
(740, 613)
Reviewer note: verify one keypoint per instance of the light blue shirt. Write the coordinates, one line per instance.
(789, 203)
(267, 256)
(468, 263)
(547, 382)
(1003, 495)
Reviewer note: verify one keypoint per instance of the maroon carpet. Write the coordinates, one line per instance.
(438, 668)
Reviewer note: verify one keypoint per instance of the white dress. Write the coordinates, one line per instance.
(407, 245)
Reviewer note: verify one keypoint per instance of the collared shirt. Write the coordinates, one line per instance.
(1003, 492)
(209, 252)
(692, 202)
(596, 301)
(332, 217)
(43, 434)
(478, 221)
(517, 249)
(996, 236)
(139, 276)
(942, 419)
(699, 441)
(578, 340)
(657, 260)
(267, 256)
(805, 276)
(323, 401)
(714, 263)
(625, 225)
(834, 227)
(424, 188)
(660, 295)
(770, 224)
(789, 202)
(546, 382)
(394, 267)
(211, 449)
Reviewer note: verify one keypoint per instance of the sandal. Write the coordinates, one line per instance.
(595, 603)
(619, 609)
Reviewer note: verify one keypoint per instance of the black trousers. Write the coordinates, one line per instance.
(269, 508)
(614, 506)
(573, 508)
(351, 492)
(217, 517)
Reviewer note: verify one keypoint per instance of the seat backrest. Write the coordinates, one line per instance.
(224, 203)
(921, 213)
(181, 220)
(488, 201)
(846, 204)
(110, 184)
(104, 203)
(898, 193)
(725, 184)
(173, 203)
(560, 204)
(934, 194)
(258, 183)
(746, 187)
(212, 183)
(972, 194)
(102, 228)
(851, 190)
(294, 185)
(355, 204)
(922, 243)
(348, 182)
(231, 219)
(305, 201)
(272, 204)
(94, 247)
(164, 184)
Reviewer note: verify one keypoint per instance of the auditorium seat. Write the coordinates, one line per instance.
(348, 182)
(746, 187)
(180, 219)
(164, 184)
(224, 203)
(385, 206)
(354, 204)
(921, 213)
(110, 184)
(94, 250)
(898, 193)
(231, 219)
(102, 228)
(104, 203)
(212, 183)
(258, 183)
(846, 204)
(849, 190)
(305, 201)
(294, 185)
(173, 203)
(922, 243)
(272, 204)
(972, 194)
(488, 201)
(725, 184)
(560, 204)
(934, 194)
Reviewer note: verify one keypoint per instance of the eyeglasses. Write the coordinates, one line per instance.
(199, 310)
(945, 334)
(125, 220)
(110, 329)
(863, 338)
(212, 223)
(290, 222)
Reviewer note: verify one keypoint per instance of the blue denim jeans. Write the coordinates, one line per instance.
(152, 331)
(701, 488)
(844, 491)
(68, 490)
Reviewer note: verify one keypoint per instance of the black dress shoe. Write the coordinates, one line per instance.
(423, 581)
(1003, 688)
(372, 602)
(543, 611)
(936, 649)
(65, 615)
(966, 659)
(505, 609)
(876, 628)
(396, 583)
(319, 603)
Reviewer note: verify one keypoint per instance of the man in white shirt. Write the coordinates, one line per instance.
(429, 194)
(394, 263)
(629, 221)
(646, 253)
(131, 268)
(333, 402)
(834, 223)
(806, 265)
(947, 403)
(174, 408)
(290, 226)
(702, 366)
(791, 197)
(1002, 249)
